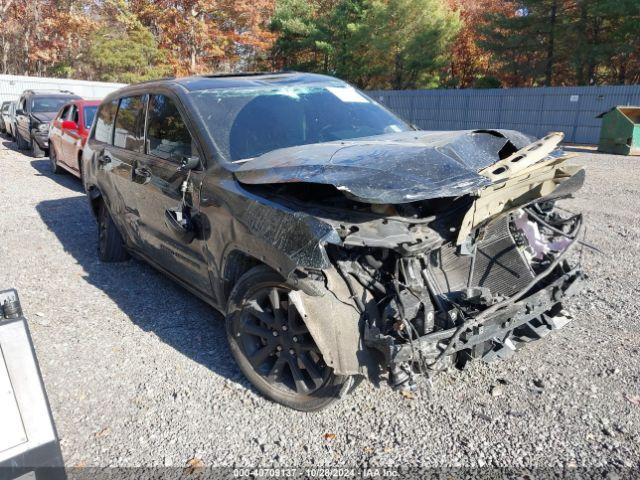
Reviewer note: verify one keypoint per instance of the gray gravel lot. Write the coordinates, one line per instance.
(138, 371)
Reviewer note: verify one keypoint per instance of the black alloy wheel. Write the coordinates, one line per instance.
(273, 345)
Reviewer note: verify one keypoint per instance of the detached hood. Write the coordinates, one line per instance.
(44, 117)
(394, 168)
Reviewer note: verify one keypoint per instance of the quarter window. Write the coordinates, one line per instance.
(167, 134)
(130, 124)
(104, 123)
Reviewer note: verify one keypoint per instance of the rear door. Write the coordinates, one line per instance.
(22, 120)
(167, 188)
(114, 171)
(55, 133)
(126, 152)
(71, 138)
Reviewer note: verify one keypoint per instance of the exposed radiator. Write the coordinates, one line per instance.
(499, 265)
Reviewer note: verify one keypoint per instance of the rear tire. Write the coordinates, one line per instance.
(273, 346)
(110, 244)
(53, 161)
(36, 151)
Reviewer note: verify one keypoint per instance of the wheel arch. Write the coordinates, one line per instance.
(236, 263)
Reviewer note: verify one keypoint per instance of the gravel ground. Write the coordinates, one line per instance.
(139, 374)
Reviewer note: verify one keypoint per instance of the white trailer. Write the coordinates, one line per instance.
(12, 86)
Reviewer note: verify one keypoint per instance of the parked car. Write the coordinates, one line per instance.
(4, 117)
(68, 135)
(339, 242)
(10, 120)
(34, 112)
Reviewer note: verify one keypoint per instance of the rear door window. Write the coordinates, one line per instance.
(167, 134)
(130, 124)
(73, 115)
(64, 113)
(104, 123)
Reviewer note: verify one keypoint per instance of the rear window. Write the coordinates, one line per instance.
(104, 123)
(130, 124)
(47, 104)
(89, 115)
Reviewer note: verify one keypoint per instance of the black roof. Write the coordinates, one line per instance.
(240, 80)
(206, 82)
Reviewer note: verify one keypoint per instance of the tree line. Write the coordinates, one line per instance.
(375, 44)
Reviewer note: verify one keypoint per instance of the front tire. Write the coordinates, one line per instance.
(273, 346)
(36, 151)
(22, 145)
(110, 244)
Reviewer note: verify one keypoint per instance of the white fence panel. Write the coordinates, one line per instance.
(12, 86)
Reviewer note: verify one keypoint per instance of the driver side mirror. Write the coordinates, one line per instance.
(69, 125)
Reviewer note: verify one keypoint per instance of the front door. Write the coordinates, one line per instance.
(170, 189)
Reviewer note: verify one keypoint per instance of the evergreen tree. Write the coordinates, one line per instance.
(526, 42)
(372, 43)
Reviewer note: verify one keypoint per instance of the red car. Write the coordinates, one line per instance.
(68, 134)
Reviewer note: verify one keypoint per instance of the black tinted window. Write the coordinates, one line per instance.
(130, 124)
(167, 133)
(104, 123)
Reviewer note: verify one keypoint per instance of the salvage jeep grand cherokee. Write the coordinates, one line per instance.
(339, 242)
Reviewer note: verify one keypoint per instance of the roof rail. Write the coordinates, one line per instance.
(47, 91)
(244, 74)
(163, 79)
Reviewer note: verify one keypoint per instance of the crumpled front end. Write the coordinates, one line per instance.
(483, 276)
(425, 311)
(417, 287)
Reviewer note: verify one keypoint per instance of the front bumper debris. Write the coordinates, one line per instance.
(507, 330)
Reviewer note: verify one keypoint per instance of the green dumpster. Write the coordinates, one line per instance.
(620, 131)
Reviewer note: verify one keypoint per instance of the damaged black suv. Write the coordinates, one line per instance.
(339, 242)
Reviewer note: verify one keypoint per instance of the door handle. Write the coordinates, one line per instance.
(141, 175)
